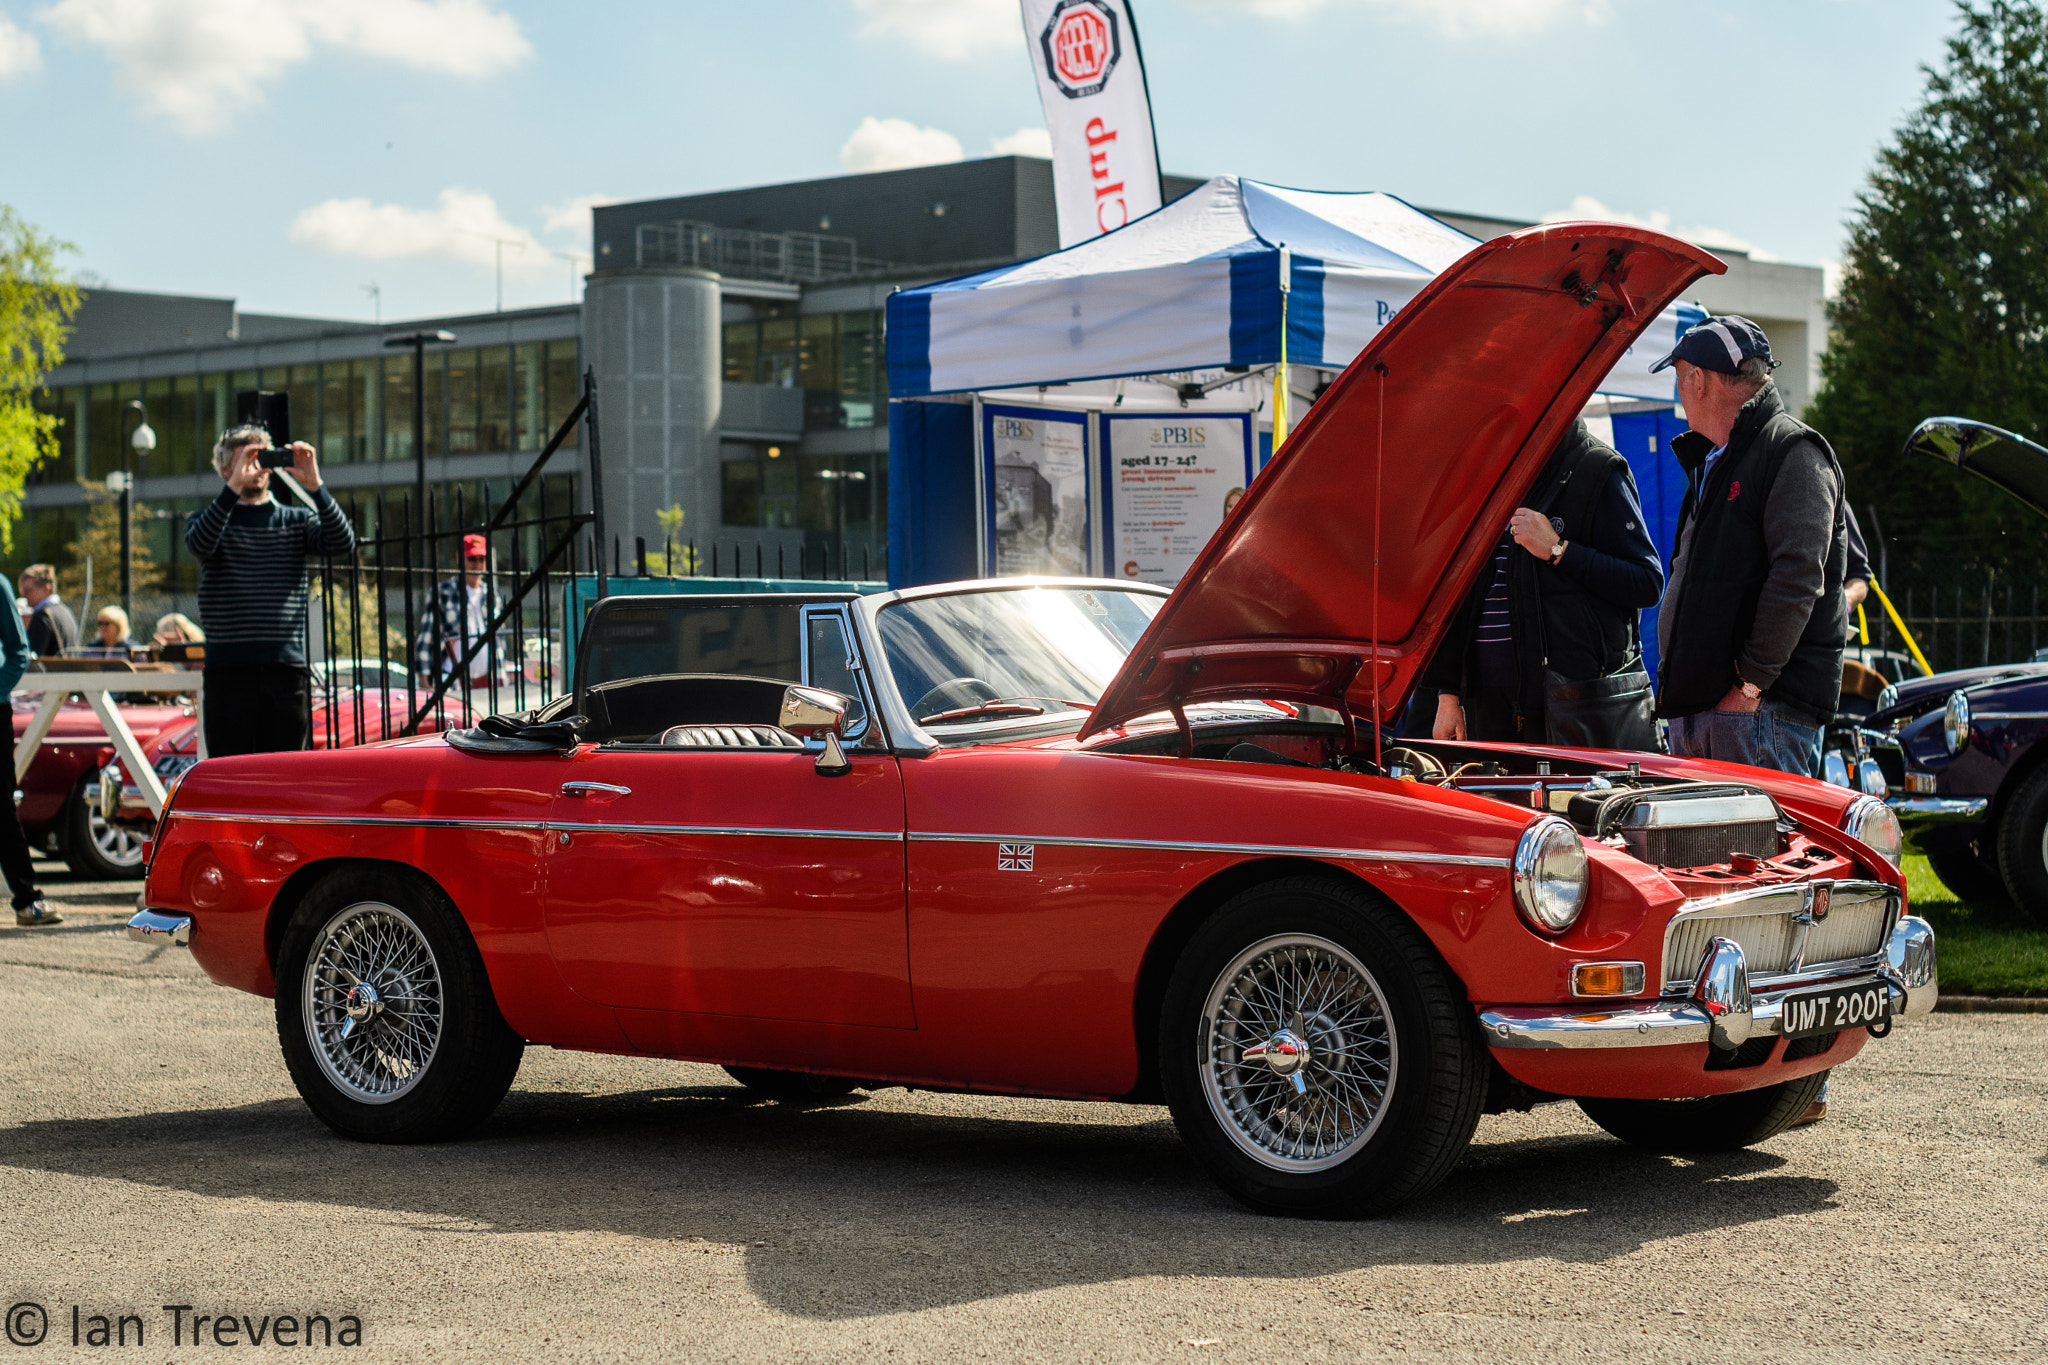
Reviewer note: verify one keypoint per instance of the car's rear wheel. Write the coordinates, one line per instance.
(2023, 847)
(94, 846)
(1715, 1123)
(1318, 1055)
(385, 1013)
(791, 1086)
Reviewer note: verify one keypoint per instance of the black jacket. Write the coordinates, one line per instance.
(52, 629)
(1728, 561)
(1577, 618)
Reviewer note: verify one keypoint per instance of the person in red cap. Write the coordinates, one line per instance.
(458, 616)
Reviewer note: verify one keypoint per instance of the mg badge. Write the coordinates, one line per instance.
(1822, 895)
(1081, 45)
(1014, 857)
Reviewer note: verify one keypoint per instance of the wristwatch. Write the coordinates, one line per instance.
(1745, 686)
(1557, 551)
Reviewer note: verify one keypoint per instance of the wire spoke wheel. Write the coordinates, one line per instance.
(373, 1002)
(1299, 1055)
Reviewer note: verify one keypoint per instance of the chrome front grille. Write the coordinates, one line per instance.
(1779, 932)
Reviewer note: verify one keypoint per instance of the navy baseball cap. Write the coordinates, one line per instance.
(1720, 344)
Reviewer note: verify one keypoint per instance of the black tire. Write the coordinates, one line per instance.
(2022, 857)
(1717, 1123)
(1395, 1072)
(95, 848)
(792, 1087)
(1974, 878)
(431, 1057)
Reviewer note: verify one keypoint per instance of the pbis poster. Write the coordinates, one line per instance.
(1167, 480)
(1035, 479)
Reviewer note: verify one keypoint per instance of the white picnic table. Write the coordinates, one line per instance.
(95, 685)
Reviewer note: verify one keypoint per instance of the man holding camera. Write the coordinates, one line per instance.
(252, 593)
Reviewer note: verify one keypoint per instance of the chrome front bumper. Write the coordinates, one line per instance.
(1719, 1008)
(155, 926)
(1918, 812)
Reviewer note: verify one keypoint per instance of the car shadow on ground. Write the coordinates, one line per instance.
(847, 1209)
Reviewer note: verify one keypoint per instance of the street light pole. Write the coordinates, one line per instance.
(141, 441)
(419, 341)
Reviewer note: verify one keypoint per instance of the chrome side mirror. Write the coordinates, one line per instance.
(812, 713)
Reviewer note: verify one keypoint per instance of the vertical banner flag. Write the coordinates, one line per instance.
(1091, 80)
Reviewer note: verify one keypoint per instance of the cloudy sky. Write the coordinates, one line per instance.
(293, 153)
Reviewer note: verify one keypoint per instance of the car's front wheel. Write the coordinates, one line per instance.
(1715, 1123)
(385, 1013)
(1318, 1055)
(2023, 847)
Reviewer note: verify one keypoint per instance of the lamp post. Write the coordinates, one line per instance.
(419, 341)
(141, 441)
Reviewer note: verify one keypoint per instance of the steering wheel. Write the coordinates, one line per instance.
(950, 695)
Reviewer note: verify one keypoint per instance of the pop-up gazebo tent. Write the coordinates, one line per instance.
(1019, 437)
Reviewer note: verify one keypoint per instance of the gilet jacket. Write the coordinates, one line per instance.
(1728, 562)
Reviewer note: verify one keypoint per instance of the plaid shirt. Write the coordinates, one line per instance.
(446, 620)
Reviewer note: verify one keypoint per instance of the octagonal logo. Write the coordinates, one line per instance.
(1081, 46)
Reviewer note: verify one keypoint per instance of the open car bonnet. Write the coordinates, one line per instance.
(2007, 462)
(1336, 575)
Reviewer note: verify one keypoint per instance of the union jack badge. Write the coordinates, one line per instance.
(1014, 857)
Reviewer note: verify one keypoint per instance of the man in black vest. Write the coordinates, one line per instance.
(1754, 619)
(1564, 602)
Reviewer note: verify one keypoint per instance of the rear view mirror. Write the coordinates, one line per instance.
(811, 713)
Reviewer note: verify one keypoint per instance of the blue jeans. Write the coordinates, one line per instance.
(1772, 736)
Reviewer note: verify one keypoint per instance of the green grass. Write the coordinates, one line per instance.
(1984, 947)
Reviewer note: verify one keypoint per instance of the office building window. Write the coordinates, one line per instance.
(757, 486)
(564, 386)
(841, 370)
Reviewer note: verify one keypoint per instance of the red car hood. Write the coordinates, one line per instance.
(1464, 395)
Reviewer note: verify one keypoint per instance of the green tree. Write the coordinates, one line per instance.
(1943, 308)
(99, 543)
(36, 301)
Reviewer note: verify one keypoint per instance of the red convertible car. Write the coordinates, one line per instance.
(1088, 839)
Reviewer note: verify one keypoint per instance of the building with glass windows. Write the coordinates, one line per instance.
(736, 339)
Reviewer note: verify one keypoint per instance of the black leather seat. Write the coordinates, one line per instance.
(729, 737)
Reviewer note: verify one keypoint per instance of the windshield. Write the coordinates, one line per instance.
(1010, 653)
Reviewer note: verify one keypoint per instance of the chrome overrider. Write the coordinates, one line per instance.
(156, 926)
(1720, 1007)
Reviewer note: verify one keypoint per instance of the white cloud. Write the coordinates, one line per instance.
(573, 215)
(19, 53)
(460, 229)
(887, 144)
(1024, 142)
(1454, 18)
(198, 61)
(1586, 208)
(952, 29)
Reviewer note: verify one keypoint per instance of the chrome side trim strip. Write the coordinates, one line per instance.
(421, 821)
(734, 831)
(587, 827)
(1374, 855)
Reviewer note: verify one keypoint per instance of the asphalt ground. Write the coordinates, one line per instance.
(153, 1152)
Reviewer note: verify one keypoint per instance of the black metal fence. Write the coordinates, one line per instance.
(410, 638)
(1964, 624)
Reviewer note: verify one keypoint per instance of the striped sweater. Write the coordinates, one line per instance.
(252, 582)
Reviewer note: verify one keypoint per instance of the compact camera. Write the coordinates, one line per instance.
(272, 412)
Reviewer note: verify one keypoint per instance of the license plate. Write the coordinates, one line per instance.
(1835, 1007)
(170, 765)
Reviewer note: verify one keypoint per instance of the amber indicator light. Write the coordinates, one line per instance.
(1607, 978)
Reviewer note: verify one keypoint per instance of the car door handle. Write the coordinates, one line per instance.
(596, 791)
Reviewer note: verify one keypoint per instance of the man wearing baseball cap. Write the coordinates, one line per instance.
(1751, 631)
(459, 615)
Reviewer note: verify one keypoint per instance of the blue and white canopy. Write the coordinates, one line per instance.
(1196, 286)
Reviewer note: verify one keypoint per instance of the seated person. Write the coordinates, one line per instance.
(112, 641)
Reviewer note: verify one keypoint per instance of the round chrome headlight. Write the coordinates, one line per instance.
(1871, 821)
(1955, 722)
(1551, 875)
(1887, 696)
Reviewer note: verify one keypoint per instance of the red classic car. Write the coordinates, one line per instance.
(1087, 839)
(61, 809)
